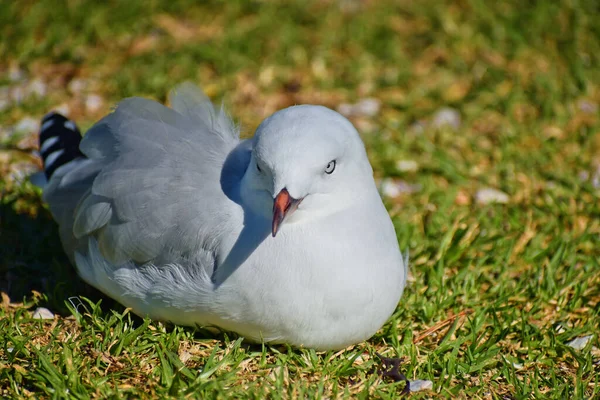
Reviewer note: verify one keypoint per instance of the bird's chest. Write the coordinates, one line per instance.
(322, 287)
(314, 277)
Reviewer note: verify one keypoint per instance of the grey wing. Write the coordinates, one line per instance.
(153, 180)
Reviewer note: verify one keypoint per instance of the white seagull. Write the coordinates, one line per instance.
(281, 238)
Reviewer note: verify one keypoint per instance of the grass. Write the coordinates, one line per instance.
(498, 290)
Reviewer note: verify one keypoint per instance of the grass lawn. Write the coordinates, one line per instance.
(481, 119)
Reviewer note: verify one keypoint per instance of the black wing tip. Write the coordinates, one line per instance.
(59, 142)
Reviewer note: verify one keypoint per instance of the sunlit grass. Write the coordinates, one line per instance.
(497, 290)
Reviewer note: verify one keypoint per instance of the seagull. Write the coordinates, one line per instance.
(281, 238)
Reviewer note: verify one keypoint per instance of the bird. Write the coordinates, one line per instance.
(279, 238)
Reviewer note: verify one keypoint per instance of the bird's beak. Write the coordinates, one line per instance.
(283, 206)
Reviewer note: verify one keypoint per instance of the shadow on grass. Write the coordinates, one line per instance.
(32, 258)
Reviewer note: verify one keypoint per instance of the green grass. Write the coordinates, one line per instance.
(523, 277)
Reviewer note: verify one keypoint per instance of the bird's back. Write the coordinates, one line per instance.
(148, 185)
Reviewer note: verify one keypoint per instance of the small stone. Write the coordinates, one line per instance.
(489, 195)
(93, 103)
(580, 342)
(17, 94)
(446, 117)
(587, 107)
(517, 365)
(63, 109)
(407, 166)
(42, 313)
(36, 87)
(596, 179)
(368, 107)
(394, 188)
(76, 86)
(345, 109)
(583, 176)
(364, 125)
(419, 385)
(26, 125)
(15, 73)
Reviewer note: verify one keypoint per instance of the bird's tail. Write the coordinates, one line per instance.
(59, 142)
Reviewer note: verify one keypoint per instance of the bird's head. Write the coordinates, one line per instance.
(306, 161)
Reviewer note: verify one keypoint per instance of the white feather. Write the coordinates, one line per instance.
(70, 125)
(47, 125)
(52, 158)
(48, 143)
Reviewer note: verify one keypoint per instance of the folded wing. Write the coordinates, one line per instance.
(152, 184)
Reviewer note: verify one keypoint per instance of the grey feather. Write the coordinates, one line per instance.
(156, 179)
(95, 213)
(189, 100)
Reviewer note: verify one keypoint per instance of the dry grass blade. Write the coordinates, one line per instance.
(440, 325)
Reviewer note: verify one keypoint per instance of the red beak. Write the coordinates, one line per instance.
(283, 205)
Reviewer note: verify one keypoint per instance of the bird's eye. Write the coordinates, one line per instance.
(258, 168)
(330, 167)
